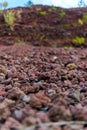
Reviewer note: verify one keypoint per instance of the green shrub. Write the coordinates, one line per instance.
(62, 13)
(20, 42)
(85, 17)
(29, 3)
(78, 40)
(5, 4)
(43, 13)
(68, 47)
(9, 17)
(52, 9)
(38, 8)
(80, 21)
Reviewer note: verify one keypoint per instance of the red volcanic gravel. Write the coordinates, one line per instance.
(43, 88)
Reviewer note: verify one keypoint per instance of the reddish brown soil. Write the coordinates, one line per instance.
(43, 87)
(52, 29)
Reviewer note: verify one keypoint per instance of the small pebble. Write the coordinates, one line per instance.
(51, 92)
(3, 70)
(2, 77)
(1, 98)
(75, 95)
(18, 114)
(75, 58)
(26, 99)
(71, 66)
(54, 57)
(45, 108)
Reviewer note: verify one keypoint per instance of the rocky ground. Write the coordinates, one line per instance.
(43, 81)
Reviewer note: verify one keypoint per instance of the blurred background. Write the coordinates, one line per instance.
(59, 3)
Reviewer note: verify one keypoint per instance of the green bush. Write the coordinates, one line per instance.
(85, 17)
(80, 21)
(62, 13)
(78, 40)
(9, 17)
(83, 20)
(38, 8)
(52, 9)
(5, 4)
(43, 13)
(29, 3)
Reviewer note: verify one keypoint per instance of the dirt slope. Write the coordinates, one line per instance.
(44, 25)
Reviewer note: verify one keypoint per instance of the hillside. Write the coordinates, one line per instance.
(44, 25)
